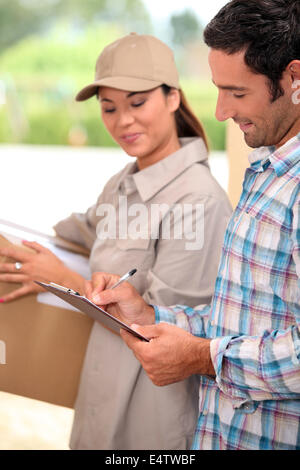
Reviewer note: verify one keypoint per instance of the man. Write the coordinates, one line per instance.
(245, 345)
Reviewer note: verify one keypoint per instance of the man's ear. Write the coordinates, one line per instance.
(294, 69)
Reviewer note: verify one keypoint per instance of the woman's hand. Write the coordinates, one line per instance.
(38, 265)
(123, 302)
(27, 288)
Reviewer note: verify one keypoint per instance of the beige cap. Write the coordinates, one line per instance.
(133, 63)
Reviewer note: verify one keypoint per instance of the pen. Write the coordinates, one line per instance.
(124, 278)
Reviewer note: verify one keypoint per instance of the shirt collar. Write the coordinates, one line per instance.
(281, 159)
(154, 178)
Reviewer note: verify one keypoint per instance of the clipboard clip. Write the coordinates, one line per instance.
(64, 289)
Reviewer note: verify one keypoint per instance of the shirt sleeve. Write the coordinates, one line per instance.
(79, 228)
(265, 367)
(193, 320)
(185, 269)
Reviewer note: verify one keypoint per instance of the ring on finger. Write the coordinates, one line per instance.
(18, 266)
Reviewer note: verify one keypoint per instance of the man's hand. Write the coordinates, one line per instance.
(123, 302)
(171, 355)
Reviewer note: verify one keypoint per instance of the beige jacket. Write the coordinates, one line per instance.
(177, 259)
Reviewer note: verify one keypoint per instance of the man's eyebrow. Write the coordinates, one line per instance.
(231, 87)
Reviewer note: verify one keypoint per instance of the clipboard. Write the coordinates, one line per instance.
(89, 308)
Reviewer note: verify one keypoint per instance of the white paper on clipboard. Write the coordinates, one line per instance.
(91, 309)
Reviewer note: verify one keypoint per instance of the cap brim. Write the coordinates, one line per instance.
(120, 83)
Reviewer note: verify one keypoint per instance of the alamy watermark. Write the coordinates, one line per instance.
(156, 221)
(2, 352)
(296, 94)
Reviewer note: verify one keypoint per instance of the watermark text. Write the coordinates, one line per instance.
(156, 221)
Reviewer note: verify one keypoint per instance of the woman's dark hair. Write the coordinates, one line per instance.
(268, 31)
(187, 124)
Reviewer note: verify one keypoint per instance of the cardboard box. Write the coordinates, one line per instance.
(45, 347)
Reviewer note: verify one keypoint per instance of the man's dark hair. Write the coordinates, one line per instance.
(268, 31)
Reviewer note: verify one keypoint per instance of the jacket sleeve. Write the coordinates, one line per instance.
(79, 228)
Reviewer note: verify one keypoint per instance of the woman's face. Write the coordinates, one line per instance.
(142, 123)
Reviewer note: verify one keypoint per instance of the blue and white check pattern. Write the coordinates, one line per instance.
(254, 317)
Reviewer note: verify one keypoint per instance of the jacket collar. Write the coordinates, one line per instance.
(154, 178)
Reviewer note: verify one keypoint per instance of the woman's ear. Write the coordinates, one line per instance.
(173, 100)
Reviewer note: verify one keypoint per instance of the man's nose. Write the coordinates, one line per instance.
(224, 109)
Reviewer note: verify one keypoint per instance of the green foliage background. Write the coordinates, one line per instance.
(43, 73)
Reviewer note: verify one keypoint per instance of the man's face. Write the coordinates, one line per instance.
(245, 97)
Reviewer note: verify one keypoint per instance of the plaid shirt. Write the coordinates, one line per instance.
(254, 317)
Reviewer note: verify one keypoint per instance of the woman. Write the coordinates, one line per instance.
(152, 216)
